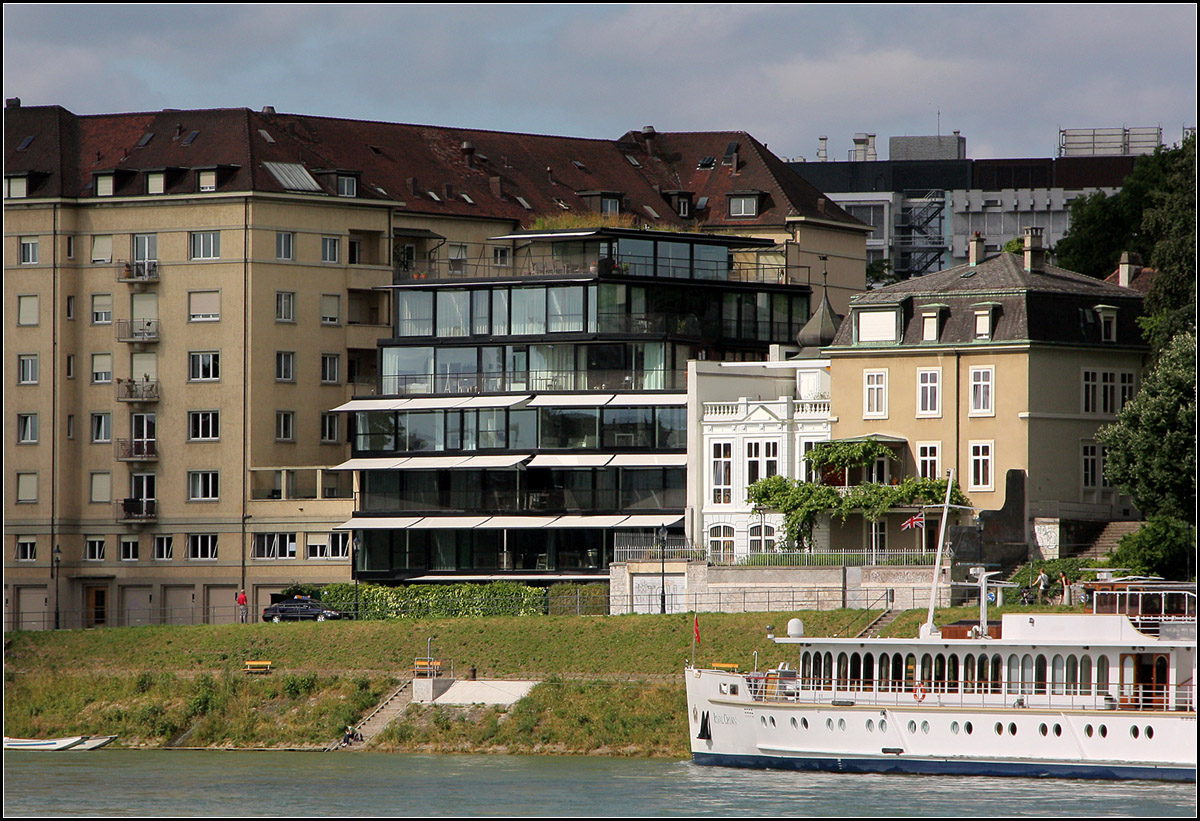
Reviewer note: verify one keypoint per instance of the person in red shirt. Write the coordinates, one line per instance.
(241, 600)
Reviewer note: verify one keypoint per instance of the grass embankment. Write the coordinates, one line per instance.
(612, 683)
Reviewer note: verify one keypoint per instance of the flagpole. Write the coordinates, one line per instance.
(695, 629)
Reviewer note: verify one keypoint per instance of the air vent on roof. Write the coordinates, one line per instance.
(191, 138)
(707, 163)
(145, 140)
(25, 142)
(266, 136)
(633, 161)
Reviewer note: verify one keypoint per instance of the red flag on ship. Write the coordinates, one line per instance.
(914, 521)
(696, 627)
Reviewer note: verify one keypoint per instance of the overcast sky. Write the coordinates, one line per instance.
(1008, 77)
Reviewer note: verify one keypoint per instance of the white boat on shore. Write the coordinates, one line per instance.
(1105, 695)
(75, 742)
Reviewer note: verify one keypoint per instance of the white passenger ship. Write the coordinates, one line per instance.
(1106, 695)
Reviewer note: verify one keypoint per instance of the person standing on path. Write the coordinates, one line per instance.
(242, 609)
(1043, 584)
(1066, 587)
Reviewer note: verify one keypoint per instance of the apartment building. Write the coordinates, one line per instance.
(191, 294)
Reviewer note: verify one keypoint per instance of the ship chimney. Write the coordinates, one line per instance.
(1035, 254)
(975, 249)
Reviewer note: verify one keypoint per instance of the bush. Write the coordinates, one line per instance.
(437, 600)
(1163, 546)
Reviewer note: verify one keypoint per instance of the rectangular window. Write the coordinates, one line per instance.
(877, 535)
(285, 306)
(335, 545)
(354, 251)
(929, 328)
(101, 309)
(27, 369)
(164, 548)
(347, 186)
(722, 473)
(100, 490)
(453, 313)
(101, 427)
(331, 368)
(284, 245)
(29, 250)
(102, 248)
(204, 306)
(156, 182)
(501, 257)
(875, 394)
(285, 366)
(762, 460)
(981, 466)
(203, 486)
(983, 325)
(101, 368)
(93, 549)
(981, 391)
(1128, 390)
(1090, 472)
(928, 394)
(1108, 393)
(129, 549)
(743, 206)
(27, 488)
(104, 185)
(145, 247)
(70, 307)
(26, 549)
(204, 366)
(202, 547)
(330, 427)
(27, 428)
(204, 426)
(1091, 391)
(274, 545)
(206, 180)
(457, 259)
(204, 245)
(329, 249)
(285, 426)
(27, 309)
(928, 464)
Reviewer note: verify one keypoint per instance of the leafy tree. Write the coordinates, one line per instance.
(1170, 220)
(1164, 546)
(1016, 245)
(881, 273)
(1151, 450)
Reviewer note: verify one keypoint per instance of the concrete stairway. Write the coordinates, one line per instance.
(1106, 542)
(387, 709)
(873, 629)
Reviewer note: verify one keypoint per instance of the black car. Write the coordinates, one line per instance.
(298, 610)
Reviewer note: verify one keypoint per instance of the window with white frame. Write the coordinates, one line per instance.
(27, 428)
(204, 306)
(164, 548)
(762, 538)
(156, 182)
(331, 368)
(93, 549)
(762, 460)
(202, 547)
(101, 427)
(285, 426)
(875, 394)
(743, 206)
(1127, 390)
(26, 549)
(204, 425)
(274, 546)
(981, 466)
(70, 306)
(982, 391)
(331, 309)
(720, 543)
(339, 545)
(27, 309)
(808, 473)
(145, 247)
(100, 487)
(930, 322)
(928, 460)
(285, 306)
(877, 535)
(285, 366)
(129, 548)
(354, 248)
(203, 485)
(347, 186)
(330, 427)
(101, 368)
(29, 250)
(457, 258)
(501, 257)
(329, 249)
(722, 473)
(206, 180)
(1106, 392)
(27, 369)
(285, 245)
(101, 309)
(27, 488)
(983, 324)
(16, 187)
(929, 392)
(102, 248)
(1091, 391)
(1092, 466)
(204, 245)
(204, 366)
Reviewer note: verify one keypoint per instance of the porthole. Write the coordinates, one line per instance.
(695, 714)
(999, 728)
(1012, 728)
(870, 726)
(1149, 732)
(1133, 731)
(954, 727)
(829, 724)
(912, 726)
(772, 720)
(969, 727)
(882, 726)
(1043, 729)
(1057, 730)
(1087, 730)
(842, 724)
(925, 727)
(763, 720)
(793, 722)
(804, 722)
(1104, 731)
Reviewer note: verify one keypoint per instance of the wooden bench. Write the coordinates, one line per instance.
(720, 665)
(257, 667)
(427, 668)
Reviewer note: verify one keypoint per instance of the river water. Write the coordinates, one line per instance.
(291, 785)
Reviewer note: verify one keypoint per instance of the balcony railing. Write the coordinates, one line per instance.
(137, 270)
(582, 502)
(137, 330)
(137, 510)
(556, 380)
(137, 390)
(136, 450)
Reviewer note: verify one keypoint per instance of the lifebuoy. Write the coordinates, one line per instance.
(919, 693)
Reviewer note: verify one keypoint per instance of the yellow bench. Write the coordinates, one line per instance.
(257, 667)
(427, 668)
(725, 666)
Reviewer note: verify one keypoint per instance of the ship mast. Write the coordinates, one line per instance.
(929, 628)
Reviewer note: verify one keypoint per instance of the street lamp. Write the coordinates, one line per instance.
(56, 571)
(354, 545)
(429, 655)
(662, 557)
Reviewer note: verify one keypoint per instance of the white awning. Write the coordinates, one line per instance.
(517, 522)
(570, 400)
(371, 404)
(377, 463)
(652, 520)
(589, 521)
(431, 462)
(449, 522)
(492, 401)
(379, 523)
(570, 460)
(433, 402)
(649, 460)
(643, 399)
(505, 461)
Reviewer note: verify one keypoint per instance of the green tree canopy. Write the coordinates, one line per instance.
(1170, 221)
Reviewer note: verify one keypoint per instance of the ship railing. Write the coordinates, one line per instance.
(970, 695)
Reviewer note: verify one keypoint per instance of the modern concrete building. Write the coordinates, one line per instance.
(190, 294)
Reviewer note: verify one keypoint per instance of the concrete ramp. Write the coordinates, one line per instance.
(485, 692)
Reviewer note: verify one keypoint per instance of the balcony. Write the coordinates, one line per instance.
(137, 331)
(136, 450)
(555, 380)
(137, 510)
(137, 390)
(137, 272)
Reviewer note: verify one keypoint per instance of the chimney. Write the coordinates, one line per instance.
(860, 148)
(1128, 268)
(549, 175)
(468, 152)
(975, 249)
(447, 191)
(12, 102)
(412, 186)
(268, 110)
(648, 136)
(1035, 254)
(871, 155)
(497, 188)
(822, 149)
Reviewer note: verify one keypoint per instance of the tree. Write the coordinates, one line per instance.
(1151, 450)
(1170, 220)
(1164, 546)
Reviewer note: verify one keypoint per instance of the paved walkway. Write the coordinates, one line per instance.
(485, 692)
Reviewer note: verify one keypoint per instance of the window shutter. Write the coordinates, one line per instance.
(102, 249)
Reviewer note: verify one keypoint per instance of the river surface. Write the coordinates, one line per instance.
(289, 785)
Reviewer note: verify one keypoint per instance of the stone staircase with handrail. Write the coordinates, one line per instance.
(1108, 539)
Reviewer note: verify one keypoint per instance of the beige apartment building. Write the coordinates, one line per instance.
(190, 294)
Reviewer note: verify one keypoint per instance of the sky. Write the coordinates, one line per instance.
(1007, 77)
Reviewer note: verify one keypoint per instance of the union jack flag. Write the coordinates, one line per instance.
(914, 521)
